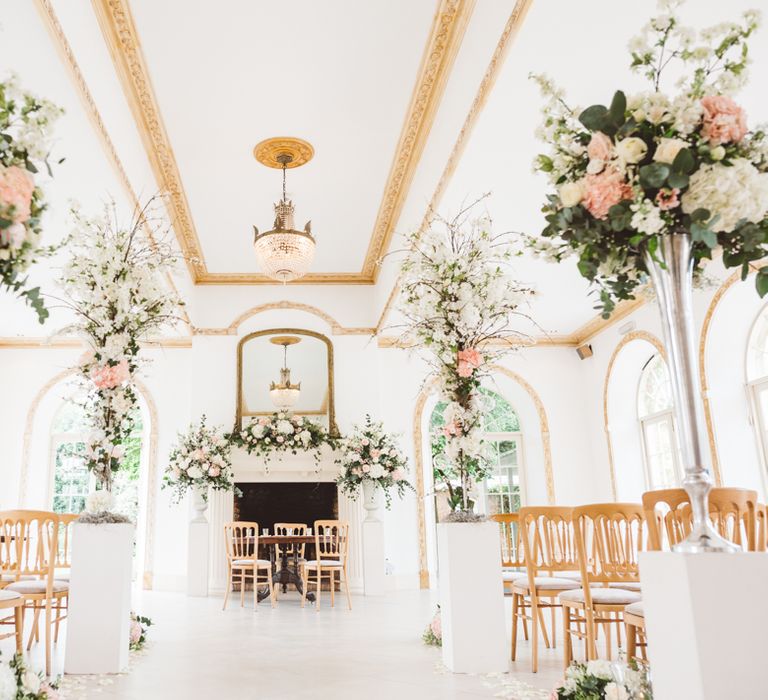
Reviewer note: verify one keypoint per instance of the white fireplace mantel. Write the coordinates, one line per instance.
(282, 467)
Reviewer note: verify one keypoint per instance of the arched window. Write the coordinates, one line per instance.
(655, 409)
(757, 380)
(501, 492)
(72, 482)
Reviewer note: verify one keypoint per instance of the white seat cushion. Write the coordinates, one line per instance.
(249, 562)
(23, 577)
(511, 576)
(602, 596)
(635, 609)
(312, 564)
(6, 595)
(547, 583)
(626, 586)
(36, 587)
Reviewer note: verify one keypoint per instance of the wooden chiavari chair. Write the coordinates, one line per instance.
(512, 560)
(243, 563)
(34, 537)
(547, 537)
(331, 547)
(63, 564)
(613, 533)
(11, 603)
(761, 527)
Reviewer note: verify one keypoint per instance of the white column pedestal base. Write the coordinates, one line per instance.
(99, 615)
(374, 565)
(197, 559)
(472, 598)
(705, 616)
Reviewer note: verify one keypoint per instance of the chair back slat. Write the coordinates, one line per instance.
(547, 536)
(761, 527)
(511, 542)
(242, 540)
(64, 548)
(299, 529)
(28, 548)
(331, 539)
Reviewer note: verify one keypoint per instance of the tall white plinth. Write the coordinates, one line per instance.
(99, 616)
(471, 598)
(374, 564)
(705, 617)
(197, 558)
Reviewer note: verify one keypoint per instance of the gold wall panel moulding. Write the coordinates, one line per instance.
(253, 278)
(389, 341)
(268, 151)
(511, 29)
(448, 28)
(52, 24)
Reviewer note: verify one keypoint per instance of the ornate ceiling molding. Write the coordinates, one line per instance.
(511, 29)
(120, 34)
(32, 343)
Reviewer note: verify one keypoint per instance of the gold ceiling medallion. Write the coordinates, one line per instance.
(272, 152)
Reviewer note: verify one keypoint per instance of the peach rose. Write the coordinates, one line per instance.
(214, 471)
(600, 147)
(724, 120)
(668, 198)
(604, 190)
(16, 188)
(366, 468)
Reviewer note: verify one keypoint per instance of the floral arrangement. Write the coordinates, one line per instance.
(433, 634)
(459, 300)
(650, 164)
(283, 432)
(19, 682)
(25, 133)
(201, 459)
(604, 680)
(139, 627)
(370, 454)
(98, 509)
(113, 284)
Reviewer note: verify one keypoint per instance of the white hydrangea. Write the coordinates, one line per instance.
(99, 501)
(686, 114)
(377, 471)
(647, 218)
(600, 668)
(614, 691)
(735, 192)
(194, 472)
(285, 427)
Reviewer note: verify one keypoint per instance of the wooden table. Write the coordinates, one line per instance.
(285, 574)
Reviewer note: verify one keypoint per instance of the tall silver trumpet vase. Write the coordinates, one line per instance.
(672, 274)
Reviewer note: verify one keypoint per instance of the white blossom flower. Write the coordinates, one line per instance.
(99, 501)
(647, 218)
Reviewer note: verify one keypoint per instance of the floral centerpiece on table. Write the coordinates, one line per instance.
(99, 507)
(200, 460)
(604, 680)
(371, 455)
(115, 284)
(433, 634)
(283, 432)
(459, 302)
(19, 682)
(25, 134)
(139, 628)
(652, 163)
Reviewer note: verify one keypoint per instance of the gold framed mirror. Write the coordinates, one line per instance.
(285, 369)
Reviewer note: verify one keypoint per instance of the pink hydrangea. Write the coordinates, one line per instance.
(214, 471)
(600, 147)
(135, 631)
(604, 190)
(110, 376)
(724, 120)
(16, 188)
(397, 474)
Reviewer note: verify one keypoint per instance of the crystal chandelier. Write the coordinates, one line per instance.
(284, 254)
(284, 394)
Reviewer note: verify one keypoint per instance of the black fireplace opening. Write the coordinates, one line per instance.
(286, 502)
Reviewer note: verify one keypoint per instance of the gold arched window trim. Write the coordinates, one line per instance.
(332, 427)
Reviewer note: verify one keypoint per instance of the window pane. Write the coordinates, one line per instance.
(660, 451)
(502, 488)
(757, 351)
(655, 389)
(71, 478)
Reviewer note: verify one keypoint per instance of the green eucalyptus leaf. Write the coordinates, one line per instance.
(618, 108)
(594, 118)
(761, 281)
(678, 180)
(654, 174)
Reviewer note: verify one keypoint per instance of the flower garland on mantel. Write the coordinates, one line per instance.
(283, 432)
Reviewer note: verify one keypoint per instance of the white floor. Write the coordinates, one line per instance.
(374, 651)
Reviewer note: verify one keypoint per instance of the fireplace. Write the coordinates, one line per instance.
(268, 503)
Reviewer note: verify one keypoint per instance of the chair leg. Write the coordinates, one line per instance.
(333, 585)
(18, 620)
(57, 621)
(535, 616)
(304, 584)
(515, 616)
(272, 589)
(346, 587)
(242, 588)
(33, 632)
(608, 645)
(591, 634)
(567, 640)
(229, 586)
(543, 628)
(319, 574)
(554, 625)
(48, 637)
(523, 619)
(631, 641)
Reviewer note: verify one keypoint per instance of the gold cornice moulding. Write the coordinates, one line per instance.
(37, 343)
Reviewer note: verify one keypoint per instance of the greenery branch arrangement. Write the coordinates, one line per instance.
(605, 680)
(650, 164)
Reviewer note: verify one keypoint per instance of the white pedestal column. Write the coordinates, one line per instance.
(472, 598)
(197, 549)
(374, 564)
(705, 617)
(98, 624)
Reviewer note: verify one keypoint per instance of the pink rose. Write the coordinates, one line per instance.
(214, 471)
(375, 454)
(437, 625)
(469, 360)
(364, 442)
(600, 147)
(397, 474)
(16, 188)
(110, 376)
(668, 198)
(366, 468)
(603, 191)
(724, 120)
(135, 632)
(452, 428)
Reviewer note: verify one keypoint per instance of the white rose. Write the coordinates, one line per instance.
(717, 153)
(31, 682)
(17, 234)
(377, 471)
(667, 150)
(615, 692)
(194, 472)
(600, 668)
(631, 150)
(571, 193)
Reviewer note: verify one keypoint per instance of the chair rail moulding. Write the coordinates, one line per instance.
(152, 480)
(335, 326)
(448, 28)
(418, 445)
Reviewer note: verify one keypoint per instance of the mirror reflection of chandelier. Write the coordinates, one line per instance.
(283, 253)
(284, 394)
